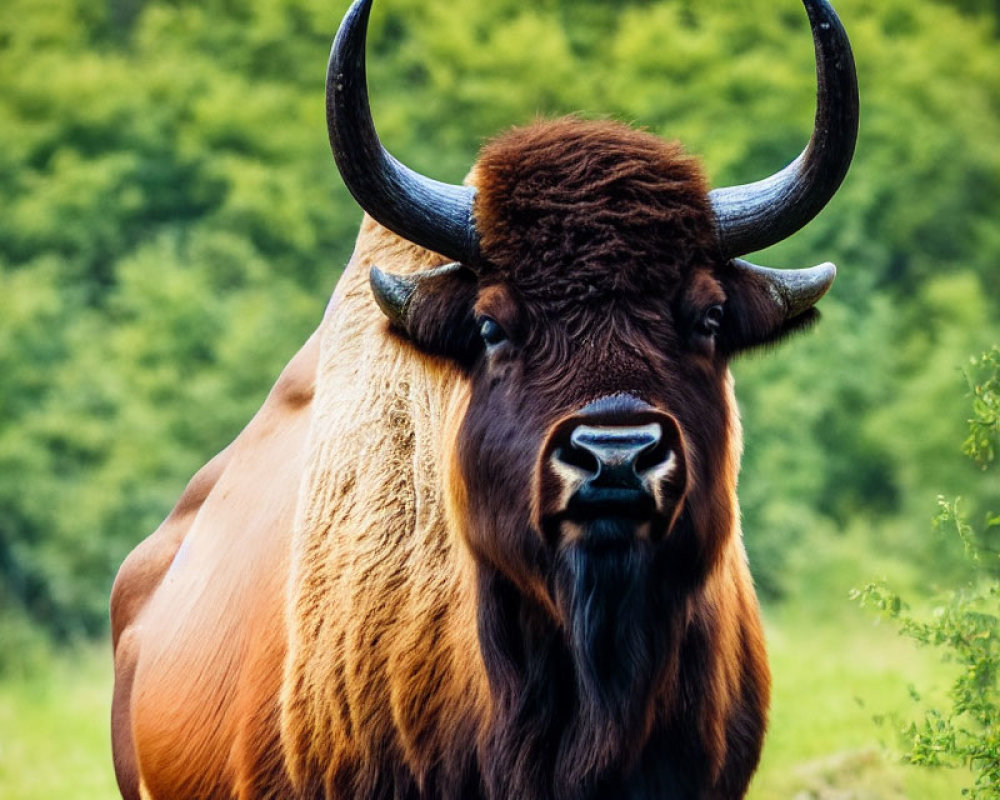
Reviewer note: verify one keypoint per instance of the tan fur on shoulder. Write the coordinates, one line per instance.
(377, 579)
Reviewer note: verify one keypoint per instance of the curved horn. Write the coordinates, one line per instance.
(429, 213)
(757, 215)
(794, 291)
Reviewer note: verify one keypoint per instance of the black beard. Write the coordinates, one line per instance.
(608, 601)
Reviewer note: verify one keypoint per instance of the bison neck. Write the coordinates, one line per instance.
(598, 705)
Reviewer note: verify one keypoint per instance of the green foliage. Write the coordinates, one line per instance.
(984, 427)
(965, 624)
(172, 225)
(168, 239)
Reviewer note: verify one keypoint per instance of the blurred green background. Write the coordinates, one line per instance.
(172, 224)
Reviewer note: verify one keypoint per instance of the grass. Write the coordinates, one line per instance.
(834, 668)
(841, 685)
(831, 685)
(54, 729)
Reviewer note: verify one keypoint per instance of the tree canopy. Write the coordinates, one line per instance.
(172, 225)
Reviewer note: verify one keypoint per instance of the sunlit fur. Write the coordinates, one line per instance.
(363, 606)
(384, 689)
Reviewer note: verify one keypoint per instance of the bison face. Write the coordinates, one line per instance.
(593, 472)
(595, 330)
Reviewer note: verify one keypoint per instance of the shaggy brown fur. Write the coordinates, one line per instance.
(579, 212)
(601, 249)
(381, 535)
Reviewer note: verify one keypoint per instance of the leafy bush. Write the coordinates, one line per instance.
(984, 427)
(966, 622)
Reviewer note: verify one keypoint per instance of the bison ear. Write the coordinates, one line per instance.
(433, 309)
(764, 305)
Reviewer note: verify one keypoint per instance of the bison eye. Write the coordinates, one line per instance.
(491, 331)
(711, 321)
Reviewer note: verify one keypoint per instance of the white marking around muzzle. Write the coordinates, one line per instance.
(572, 477)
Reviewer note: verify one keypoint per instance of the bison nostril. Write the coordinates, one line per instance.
(578, 458)
(615, 456)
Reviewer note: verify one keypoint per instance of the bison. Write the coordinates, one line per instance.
(482, 539)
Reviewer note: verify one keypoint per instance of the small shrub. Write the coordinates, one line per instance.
(965, 623)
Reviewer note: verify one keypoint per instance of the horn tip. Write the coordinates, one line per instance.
(826, 274)
(813, 284)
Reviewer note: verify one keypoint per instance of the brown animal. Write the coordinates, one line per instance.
(488, 547)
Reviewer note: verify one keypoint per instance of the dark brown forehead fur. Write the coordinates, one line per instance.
(578, 213)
